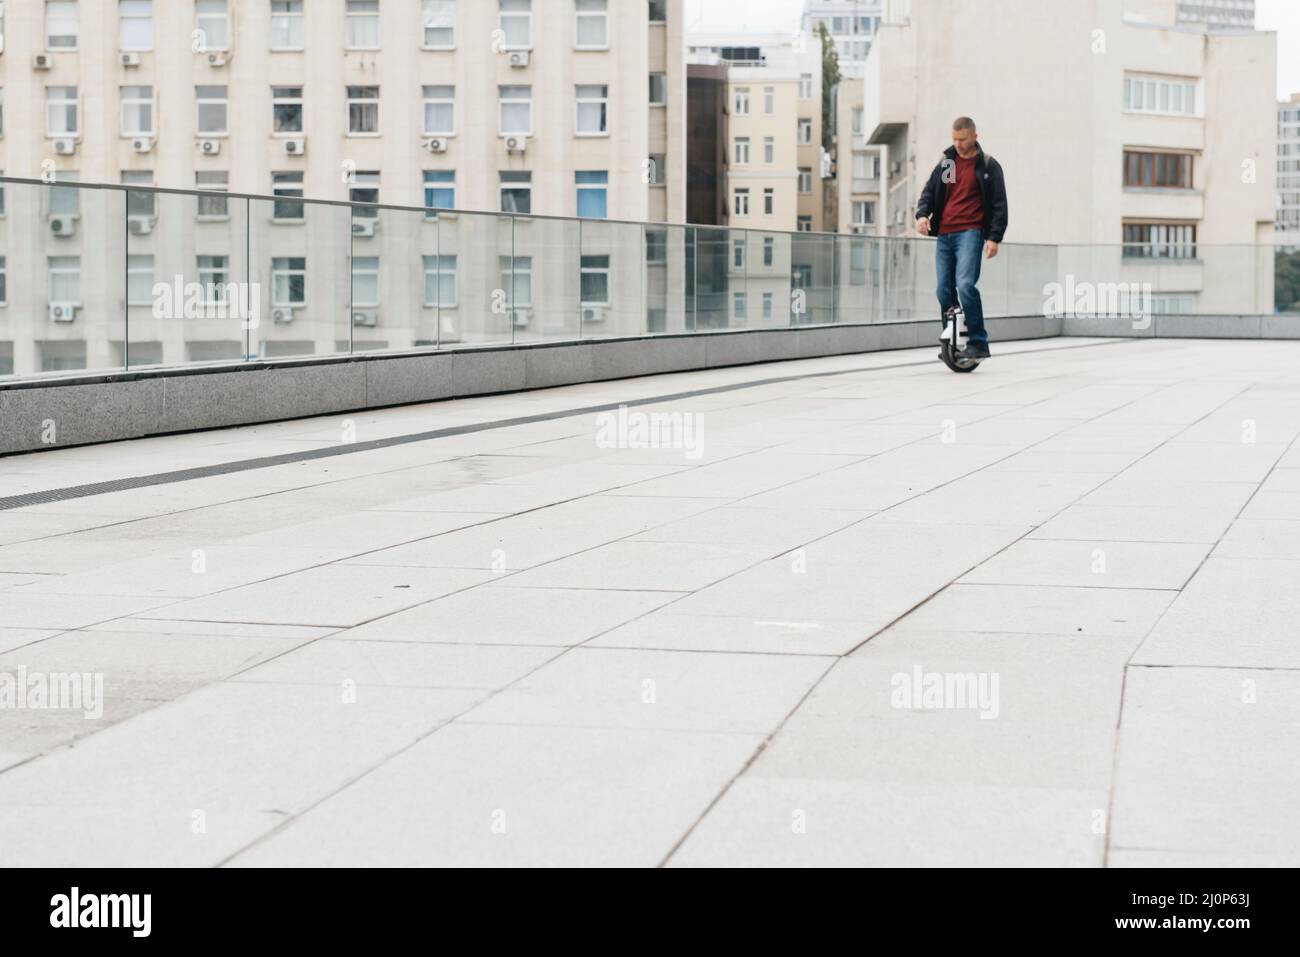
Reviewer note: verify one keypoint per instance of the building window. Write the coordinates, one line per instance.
(769, 250)
(65, 201)
(364, 188)
(741, 101)
(738, 305)
(516, 23)
(64, 283)
(658, 89)
(135, 20)
(214, 275)
(805, 86)
(1158, 95)
(213, 110)
(516, 191)
(439, 19)
(656, 246)
(216, 206)
(593, 193)
(740, 151)
(61, 110)
(805, 179)
(139, 203)
(1160, 240)
(857, 120)
(658, 169)
(139, 280)
(769, 201)
(286, 109)
(767, 306)
(517, 280)
(769, 149)
(287, 31)
(60, 25)
(4, 283)
(363, 24)
(592, 24)
(594, 280)
(363, 111)
(287, 187)
(741, 202)
(440, 110)
(658, 11)
(805, 131)
(289, 281)
(440, 281)
(365, 281)
(440, 188)
(737, 254)
(593, 107)
(864, 213)
(137, 111)
(804, 224)
(516, 109)
(212, 21)
(1157, 170)
(769, 100)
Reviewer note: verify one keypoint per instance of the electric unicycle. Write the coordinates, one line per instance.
(954, 339)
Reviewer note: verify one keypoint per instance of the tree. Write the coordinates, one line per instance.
(830, 79)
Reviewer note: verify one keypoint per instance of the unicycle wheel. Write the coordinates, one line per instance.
(953, 363)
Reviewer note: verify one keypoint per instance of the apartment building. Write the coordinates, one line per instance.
(1152, 140)
(773, 172)
(1288, 171)
(851, 24)
(857, 167)
(549, 107)
(1217, 14)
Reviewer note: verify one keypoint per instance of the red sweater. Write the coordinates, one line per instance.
(965, 206)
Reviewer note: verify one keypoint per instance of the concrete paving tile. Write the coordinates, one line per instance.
(1207, 762)
(44, 612)
(657, 566)
(1261, 538)
(1134, 523)
(813, 822)
(337, 595)
(491, 614)
(1236, 612)
(684, 632)
(388, 664)
(1099, 564)
(497, 795)
(193, 781)
(1040, 610)
(668, 690)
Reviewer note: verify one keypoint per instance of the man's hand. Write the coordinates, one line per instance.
(923, 226)
(990, 249)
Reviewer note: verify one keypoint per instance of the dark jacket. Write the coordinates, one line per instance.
(993, 190)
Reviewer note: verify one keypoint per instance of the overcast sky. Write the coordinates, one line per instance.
(1282, 16)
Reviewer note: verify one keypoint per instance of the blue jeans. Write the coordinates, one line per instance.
(957, 261)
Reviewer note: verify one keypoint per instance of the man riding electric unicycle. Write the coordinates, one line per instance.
(964, 206)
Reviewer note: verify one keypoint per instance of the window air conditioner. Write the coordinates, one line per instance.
(296, 146)
(63, 311)
(519, 58)
(516, 144)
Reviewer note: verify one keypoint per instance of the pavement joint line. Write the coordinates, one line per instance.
(287, 458)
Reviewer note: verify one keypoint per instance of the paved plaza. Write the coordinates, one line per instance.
(858, 611)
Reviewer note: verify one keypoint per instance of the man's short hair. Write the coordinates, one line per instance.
(963, 123)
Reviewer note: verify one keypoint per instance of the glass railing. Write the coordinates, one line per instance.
(97, 278)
